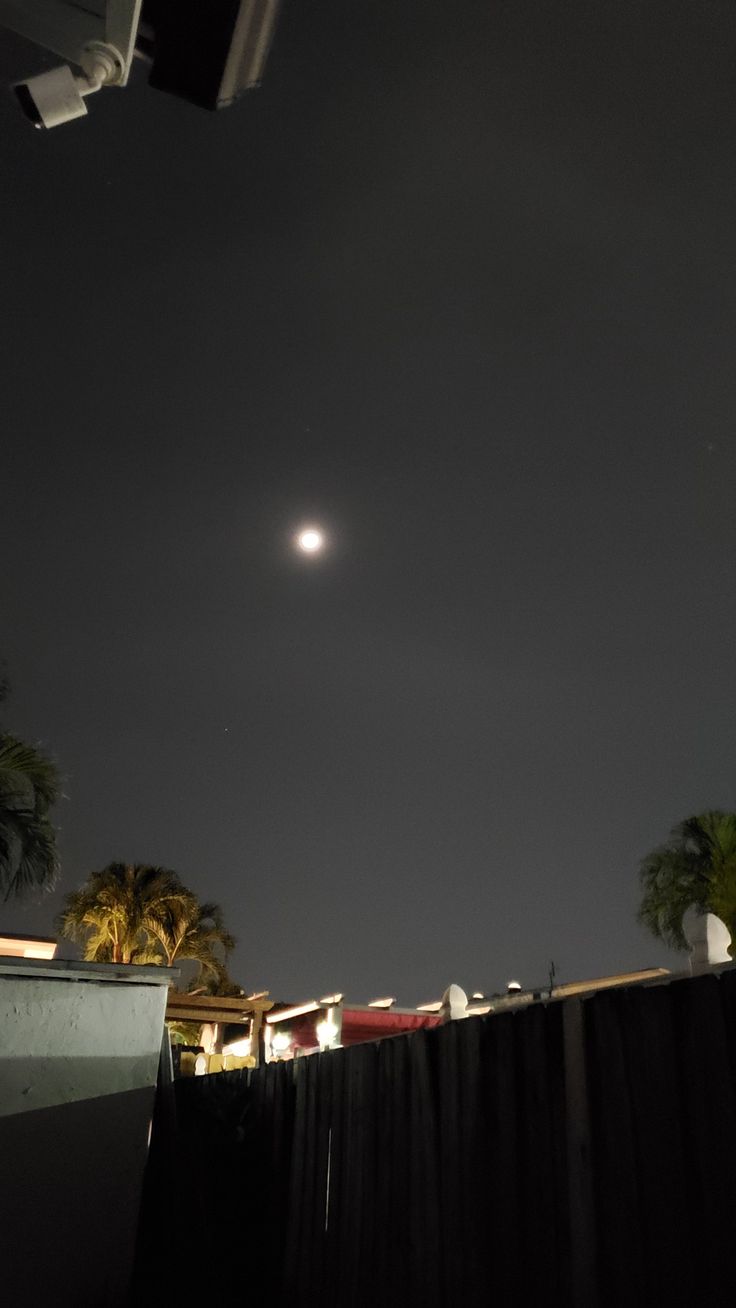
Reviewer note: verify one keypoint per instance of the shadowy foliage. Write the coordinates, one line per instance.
(696, 865)
(29, 787)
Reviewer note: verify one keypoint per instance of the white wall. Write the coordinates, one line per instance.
(79, 1051)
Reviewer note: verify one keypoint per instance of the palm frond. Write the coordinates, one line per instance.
(140, 913)
(25, 766)
(29, 785)
(37, 865)
(696, 866)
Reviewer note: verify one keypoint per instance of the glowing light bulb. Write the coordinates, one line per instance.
(326, 1033)
(280, 1042)
(239, 1048)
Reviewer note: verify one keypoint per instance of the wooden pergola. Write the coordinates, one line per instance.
(221, 1011)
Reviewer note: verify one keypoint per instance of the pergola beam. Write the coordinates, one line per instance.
(214, 1008)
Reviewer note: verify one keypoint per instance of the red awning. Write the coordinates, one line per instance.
(360, 1025)
(375, 1023)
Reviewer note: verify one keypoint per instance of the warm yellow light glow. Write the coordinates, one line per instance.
(280, 1042)
(386, 1002)
(326, 1033)
(239, 1048)
(310, 540)
(27, 947)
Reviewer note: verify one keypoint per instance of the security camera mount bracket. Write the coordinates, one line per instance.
(101, 43)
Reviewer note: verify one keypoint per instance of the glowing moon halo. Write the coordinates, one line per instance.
(310, 540)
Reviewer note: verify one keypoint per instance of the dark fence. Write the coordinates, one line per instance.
(578, 1153)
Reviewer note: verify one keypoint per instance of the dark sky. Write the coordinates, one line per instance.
(459, 283)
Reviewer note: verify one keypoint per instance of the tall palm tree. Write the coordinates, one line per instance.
(187, 931)
(29, 787)
(696, 865)
(111, 915)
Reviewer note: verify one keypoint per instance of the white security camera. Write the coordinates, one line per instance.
(57, 96)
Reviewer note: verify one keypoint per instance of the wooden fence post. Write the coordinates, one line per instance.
(579, 1166)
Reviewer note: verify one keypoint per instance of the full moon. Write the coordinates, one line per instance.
(310, 540)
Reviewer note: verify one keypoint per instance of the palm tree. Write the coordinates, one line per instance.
(112, 914)
(29, 786)
(135, 913)
(187, 931)
(696, 865)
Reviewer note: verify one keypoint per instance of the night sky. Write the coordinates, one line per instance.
(458, 283)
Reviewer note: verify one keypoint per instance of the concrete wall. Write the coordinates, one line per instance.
(79, 1051)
